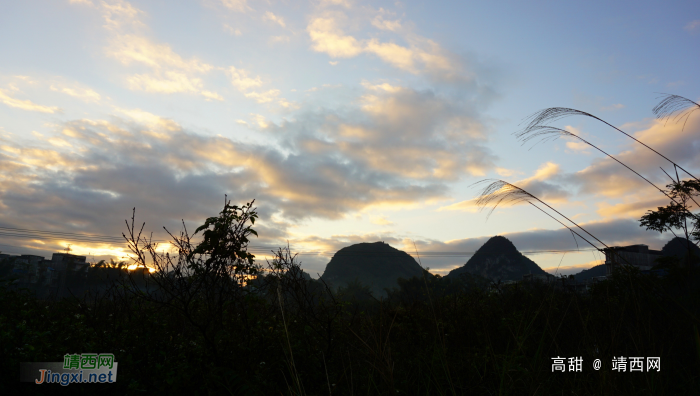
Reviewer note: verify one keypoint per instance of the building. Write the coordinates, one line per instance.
(62, 261)
(637, 256)
(539, 277)
(46, 277)
(27, 267)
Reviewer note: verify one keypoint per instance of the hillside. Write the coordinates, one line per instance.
(498, 259)
(598, 270)
(678, 248)
(377, 265)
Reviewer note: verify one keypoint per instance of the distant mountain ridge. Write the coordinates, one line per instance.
(498, 259)
(377, 265)
(598, 270)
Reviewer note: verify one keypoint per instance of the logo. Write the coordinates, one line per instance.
(76, 369)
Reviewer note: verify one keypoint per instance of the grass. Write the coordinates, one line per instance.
(468, 342)
(198, 332)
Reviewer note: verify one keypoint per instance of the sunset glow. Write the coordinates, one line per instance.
(346, 121)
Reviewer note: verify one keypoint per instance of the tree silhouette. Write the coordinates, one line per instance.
(677, 215)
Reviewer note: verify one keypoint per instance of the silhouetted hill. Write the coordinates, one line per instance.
(498, 259)
(598, 270)
(677, 247)
(377, 265)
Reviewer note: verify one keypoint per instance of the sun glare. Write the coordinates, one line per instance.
(133, 267)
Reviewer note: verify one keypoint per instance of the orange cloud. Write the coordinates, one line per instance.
(631, 209)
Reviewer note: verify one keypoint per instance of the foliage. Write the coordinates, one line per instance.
(285, 334)
(209, 320)
(677, 215)
(203, 285)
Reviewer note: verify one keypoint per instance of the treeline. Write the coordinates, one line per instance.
(202, 326)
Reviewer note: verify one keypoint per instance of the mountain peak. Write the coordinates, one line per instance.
(375, 264)
(498, 259)
(498, 243)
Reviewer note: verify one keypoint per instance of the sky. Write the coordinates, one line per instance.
(346, 122)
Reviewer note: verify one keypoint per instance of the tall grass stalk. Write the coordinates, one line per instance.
(550, 132)
(293, 368)
(499, 191)
(441, 338)
(671, 104)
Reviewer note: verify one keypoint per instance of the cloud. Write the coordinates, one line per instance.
(269, 16)
(381, 220)
(240, 79)
(212, 95)
(578, 146)
(415, 139)
(171, 82)
(573, 269)
(676, 140)
(150, 120)
(83, 2)
(328, 3)
(692, 26)
(259, 120)
(615, 232)
(396, 55)
(506, 172)
(422, 55)
(380, 23)
(539, 185)
(96, 171)
(26, 104)
(328, 37)
(129, 49)
(119, 14)
(279, 39)
(395, 146)
(170, 73)
(263, 97)
(613, 107)
(86, 94)
(634, 209)
(628, 196)
(468, 205)
(234, 31)
(287, 104)
(443, 256)
(546, 184)
(237, 5)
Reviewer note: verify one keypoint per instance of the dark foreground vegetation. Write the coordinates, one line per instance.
(196, 330)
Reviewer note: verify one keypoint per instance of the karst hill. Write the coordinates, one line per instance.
(498, 259)
(678, 248)
(376, 265)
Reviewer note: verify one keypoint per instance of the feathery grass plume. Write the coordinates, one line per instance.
(499, 191)
(537, 119)
(553, 133)
(671, 104)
